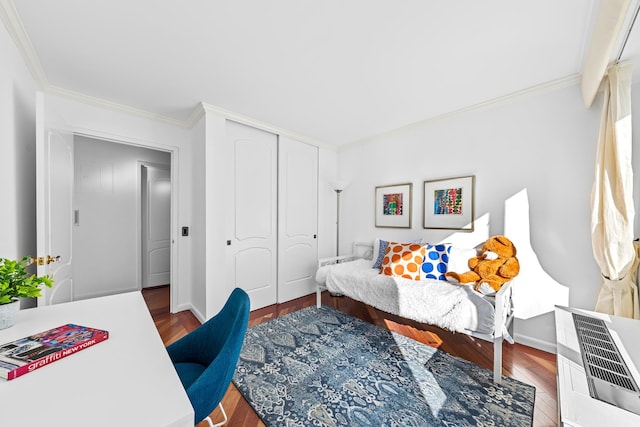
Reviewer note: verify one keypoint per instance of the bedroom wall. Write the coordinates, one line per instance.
(327, 174)
(197, 225)
(544, 142)
(17, 144)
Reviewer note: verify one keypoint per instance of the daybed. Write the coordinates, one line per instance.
(458, 308)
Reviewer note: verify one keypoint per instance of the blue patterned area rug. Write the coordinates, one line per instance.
(321, 367)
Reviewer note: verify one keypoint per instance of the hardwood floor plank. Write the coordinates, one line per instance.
(523, 363)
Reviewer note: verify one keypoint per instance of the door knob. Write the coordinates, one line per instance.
(45, 260)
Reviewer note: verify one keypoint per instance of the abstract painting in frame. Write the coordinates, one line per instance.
(448, 203)
(393, 206)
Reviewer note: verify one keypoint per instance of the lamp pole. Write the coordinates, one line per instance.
(338, 191)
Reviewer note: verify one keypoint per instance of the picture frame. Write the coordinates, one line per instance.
(393, 205)
(449, 203)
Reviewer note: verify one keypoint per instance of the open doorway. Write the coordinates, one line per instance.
(107, 205)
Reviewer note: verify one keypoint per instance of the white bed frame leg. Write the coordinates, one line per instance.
(497, 360)
(501, 319)
(319, 290)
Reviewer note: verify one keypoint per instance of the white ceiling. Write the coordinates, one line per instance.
(336, 71)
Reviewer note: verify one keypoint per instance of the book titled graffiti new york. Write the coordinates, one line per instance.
(30, 353)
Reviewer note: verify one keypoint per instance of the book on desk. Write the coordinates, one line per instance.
(27, 354)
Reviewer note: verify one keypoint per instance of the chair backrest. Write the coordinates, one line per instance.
(220, 339)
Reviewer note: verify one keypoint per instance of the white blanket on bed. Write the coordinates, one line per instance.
(437, 302)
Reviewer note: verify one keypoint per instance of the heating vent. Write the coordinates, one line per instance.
(607, 373)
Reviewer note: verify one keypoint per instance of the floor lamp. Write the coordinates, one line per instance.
(338, 187)
(338, 191)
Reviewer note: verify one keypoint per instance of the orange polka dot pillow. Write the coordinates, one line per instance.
(403, 260)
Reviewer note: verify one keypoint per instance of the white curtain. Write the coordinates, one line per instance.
(612, 210)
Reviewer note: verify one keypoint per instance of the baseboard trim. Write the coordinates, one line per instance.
(192, 309)
(535, 343)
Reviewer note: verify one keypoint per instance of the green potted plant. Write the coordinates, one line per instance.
(16, 283)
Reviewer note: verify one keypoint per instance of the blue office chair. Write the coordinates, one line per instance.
(206, 358)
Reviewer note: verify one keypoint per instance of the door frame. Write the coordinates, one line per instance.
(174, 154)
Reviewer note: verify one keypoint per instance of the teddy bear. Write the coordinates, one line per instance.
(496, 265)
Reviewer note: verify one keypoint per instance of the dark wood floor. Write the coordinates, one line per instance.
(526, 364)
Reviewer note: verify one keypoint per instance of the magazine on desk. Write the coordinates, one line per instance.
(30, 353)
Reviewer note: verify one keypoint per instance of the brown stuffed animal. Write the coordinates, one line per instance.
(496, 265)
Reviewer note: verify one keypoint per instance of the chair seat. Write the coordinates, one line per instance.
(189, 372)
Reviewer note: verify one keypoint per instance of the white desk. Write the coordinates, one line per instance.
(127, 380)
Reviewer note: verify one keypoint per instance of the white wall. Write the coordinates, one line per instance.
(106, 194)
(17, 145)
(197, 225)
(327, 174)
(543, 142)
(217, 290)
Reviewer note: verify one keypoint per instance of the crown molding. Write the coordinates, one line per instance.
(571, 80)
(16, 30)
(114, 106)
(197, 113)
(230, 115)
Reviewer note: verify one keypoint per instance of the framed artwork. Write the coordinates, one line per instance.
(448, 203)
(393, 206)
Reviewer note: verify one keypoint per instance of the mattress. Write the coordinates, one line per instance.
(458, 308)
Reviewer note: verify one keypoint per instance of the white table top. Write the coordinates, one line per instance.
(127, 380)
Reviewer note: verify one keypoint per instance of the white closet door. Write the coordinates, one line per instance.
(251, 214)
(297, 219)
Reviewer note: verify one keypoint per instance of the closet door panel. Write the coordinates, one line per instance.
(297, 218)
(252, 213)
(255, 198)
(258, 259)
(300, 260)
